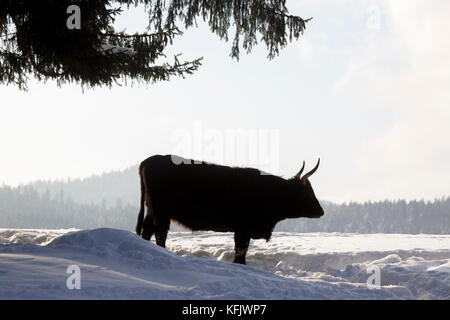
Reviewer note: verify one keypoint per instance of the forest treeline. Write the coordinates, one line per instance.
(30, 207)
(24, 207)
(400, 216)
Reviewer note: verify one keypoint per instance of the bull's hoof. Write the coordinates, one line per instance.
(240, 260)
(146, 236)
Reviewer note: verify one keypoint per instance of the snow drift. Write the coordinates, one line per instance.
(116, 264)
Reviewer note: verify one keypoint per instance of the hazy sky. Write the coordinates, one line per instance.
(365, 89)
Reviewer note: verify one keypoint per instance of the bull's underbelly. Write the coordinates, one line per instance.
(204, 223)
(263, 232)
(202, 227)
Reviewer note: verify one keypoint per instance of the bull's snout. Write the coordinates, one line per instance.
(320, 214)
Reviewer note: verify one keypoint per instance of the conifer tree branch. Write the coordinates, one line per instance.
(34, 38)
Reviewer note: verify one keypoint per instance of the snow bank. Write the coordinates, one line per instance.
(116, 264)
(35, 236)
(411, 266)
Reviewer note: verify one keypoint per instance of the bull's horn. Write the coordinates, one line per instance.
(309, 174)
(298, 175)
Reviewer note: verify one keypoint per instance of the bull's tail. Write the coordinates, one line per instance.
(142, 209)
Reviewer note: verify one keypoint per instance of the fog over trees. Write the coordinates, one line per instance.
(112, 199)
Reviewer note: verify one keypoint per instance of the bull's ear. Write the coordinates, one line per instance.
(299, 174)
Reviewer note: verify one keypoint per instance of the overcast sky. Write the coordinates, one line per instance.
(365, 89)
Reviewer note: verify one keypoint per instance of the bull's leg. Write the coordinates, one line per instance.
(161, 229)
(241, 243)
(148, 227)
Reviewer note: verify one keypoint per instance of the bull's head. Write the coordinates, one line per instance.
(305, 203)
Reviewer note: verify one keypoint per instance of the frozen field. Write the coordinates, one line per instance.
(116, 264)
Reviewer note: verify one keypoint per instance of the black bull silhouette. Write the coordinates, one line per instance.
(204, 196)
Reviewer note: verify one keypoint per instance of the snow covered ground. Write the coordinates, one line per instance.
(116, 264)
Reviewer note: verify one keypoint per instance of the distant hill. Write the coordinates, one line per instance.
(107, 189)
